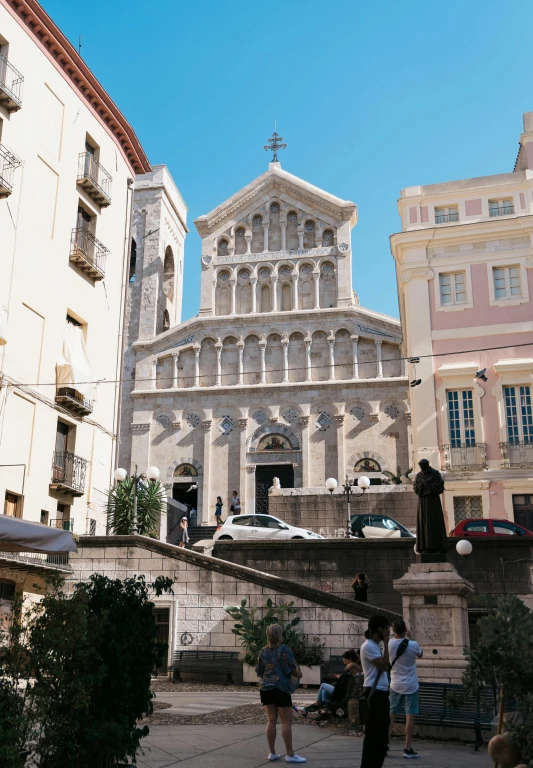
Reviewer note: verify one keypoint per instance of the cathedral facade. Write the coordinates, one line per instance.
(281, 374)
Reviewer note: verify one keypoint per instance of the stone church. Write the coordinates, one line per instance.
(281, 374)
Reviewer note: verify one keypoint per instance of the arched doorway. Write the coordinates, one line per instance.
(185, 486)
(280, 447)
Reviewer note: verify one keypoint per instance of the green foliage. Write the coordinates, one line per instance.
(151, 500)
(252, 624)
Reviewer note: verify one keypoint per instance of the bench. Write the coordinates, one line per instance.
(205, 661)
(474, 712)
(334, 666)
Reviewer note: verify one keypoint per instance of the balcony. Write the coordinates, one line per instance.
(94, 179)
(11, 82)
(73, 400)
(8, 163)
(445, 218)
(68, 473)
(63, 525)
(88, 253)
(501, 210)
(517, 454)
(464, 457)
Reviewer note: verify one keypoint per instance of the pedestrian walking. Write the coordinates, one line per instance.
(279, 675)
(235, 507)
(218, 511)
(184, 532)
(375, 662)
(404, 681)
(360, 586)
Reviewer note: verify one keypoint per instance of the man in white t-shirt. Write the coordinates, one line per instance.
(375, 663)
(404, 681)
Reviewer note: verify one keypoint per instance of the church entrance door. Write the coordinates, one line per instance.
(264, 479)
(186, 494)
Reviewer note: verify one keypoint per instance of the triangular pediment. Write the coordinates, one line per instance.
(275, 181)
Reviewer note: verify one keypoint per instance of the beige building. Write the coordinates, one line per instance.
(281, 374)
(67, 161)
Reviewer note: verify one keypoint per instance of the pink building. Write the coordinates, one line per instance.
(464, 263)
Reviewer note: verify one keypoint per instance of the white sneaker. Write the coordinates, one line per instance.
(295, 759)
(274, 756)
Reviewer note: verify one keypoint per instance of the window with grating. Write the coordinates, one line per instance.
(467, 507)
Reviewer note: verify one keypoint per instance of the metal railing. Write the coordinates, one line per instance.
(90, 171)
(8, 163)
(444, 218)
(502, 210)
(464, 456)
(519, 454)
(93, 251)
(69, 471)
(64, 525)
(60, 560)
(74, 400)
(11, 82)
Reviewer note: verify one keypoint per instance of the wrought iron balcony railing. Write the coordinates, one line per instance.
(464, 456)
(68, 473)
(59, 561)
(444, 218)
(8, 163)
(519, 454)
(11, 82)
(501, 210)
(64, 525)
(94, 179)
(70, 398)
(88, 252)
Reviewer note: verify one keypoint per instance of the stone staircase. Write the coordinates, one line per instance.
(201, 532)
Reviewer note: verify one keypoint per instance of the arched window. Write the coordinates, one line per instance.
(286, 299)
(309, 234)
(166, 320)
(133, 260)
(258, 238)
(240, 240)
(168, 274)
(328, 292)
(244, 293)
(292, 231)
(186, 470)
(306, 287)
(265, 298)
(223, 294)
(328, 239)
(367, 465)
(274, 230)
(222, 247)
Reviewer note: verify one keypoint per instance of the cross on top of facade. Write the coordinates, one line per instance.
(274, 143)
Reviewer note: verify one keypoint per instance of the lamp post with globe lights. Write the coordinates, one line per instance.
(152, 473)
(349, 487)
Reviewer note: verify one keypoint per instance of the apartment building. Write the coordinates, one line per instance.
(68, 159)
(464, 262)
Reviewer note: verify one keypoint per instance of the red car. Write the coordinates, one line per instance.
(489, 527)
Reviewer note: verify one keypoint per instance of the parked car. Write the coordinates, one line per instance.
(489, 527)
(367, 526)
(260, 527)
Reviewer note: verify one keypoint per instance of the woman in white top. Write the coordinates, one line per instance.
(375, 662)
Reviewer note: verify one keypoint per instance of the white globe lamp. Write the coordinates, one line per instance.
(331, 484)
(363, 483)
(464, 548)
(120, 474)
(152, 473)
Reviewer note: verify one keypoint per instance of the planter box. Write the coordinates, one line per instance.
(310, 675)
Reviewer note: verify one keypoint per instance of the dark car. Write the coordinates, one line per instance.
(379, 526)
(489, 527)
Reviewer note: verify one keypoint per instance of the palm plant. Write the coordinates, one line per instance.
(151, 499)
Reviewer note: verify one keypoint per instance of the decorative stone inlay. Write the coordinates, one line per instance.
(285, 272)
(323, 421)
(163, 421)
(243, 423)
(327, 268)
(223, 277)
(140, 427)
(303, 421)
(192, 419)
(264, 272)
(257, 221)
(223, 247)
(240, 233)
(358, 412)
(328, 237)
(310, 226)
(339, 420)
(306, 269)
(226, 425)
(274, 208)
(244, 275)
(289, 415)
(260, 417)
(392, 411)
(292, 217)
(206, 425)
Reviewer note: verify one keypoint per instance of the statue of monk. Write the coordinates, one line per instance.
(430, 529)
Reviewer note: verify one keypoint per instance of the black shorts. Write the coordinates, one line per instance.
(277, 697)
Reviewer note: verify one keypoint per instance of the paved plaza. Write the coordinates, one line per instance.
(242, 746)
(201, 703)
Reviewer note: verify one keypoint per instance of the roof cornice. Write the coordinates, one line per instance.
(69, 63)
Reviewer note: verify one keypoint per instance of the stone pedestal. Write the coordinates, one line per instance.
(435, 610)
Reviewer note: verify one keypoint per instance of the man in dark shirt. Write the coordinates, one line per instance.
(360, 586)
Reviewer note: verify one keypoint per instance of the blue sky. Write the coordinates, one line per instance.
(370, 97)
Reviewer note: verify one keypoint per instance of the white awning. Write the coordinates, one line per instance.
(73, 369)
(21, 536)
(3, 326)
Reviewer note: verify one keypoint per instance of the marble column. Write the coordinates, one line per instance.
(249, 490)
(308, 371)
(283, 226)
(243, 427)
(248, 238)
(300, 239)
(303, 421)
(378, 359)
(176, 357)
(262, 348)
(341, 469)
(265, 236)
(233, 283)
(274, 289)
(253, 281)
(285, 346)
(355, 341)
(316, 278)
(294, 277)
(154, 374)
(204, 512)
(240, 347)
(218, 347)
(196, 348)
(331, 342)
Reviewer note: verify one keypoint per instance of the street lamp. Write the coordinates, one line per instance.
(349, 487)
(152, 473)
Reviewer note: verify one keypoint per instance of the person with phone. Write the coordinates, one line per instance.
(360, 586)
(376, 664)
(404, 681)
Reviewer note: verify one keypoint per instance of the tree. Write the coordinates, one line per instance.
(151, 501)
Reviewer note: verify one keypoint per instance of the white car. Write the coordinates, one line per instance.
(260, 527)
